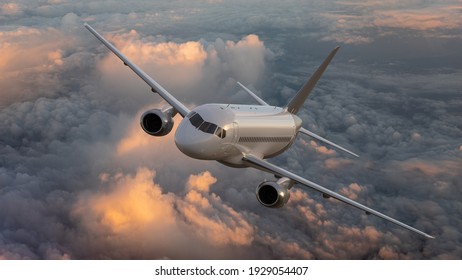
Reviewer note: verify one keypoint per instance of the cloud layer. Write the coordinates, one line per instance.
(80, 180)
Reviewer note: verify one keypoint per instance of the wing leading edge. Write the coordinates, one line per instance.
(271, 168)
(156, 87)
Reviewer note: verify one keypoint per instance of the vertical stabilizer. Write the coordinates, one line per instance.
(298, 101)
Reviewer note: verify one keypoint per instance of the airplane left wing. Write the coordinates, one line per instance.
(156, 87)
(261, 164)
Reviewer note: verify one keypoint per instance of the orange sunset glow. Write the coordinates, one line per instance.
(80, 179)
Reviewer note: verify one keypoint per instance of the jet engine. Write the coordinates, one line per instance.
(274, 194)
(157, 122)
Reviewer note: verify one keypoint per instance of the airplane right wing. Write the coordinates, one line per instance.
(261, 164)
(156, 87)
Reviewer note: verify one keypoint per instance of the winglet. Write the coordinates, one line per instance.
(294, 105)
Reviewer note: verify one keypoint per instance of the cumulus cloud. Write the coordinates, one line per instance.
(134, 218)
(352, 191)
(195, 70)
(31, 60)
(321, 149)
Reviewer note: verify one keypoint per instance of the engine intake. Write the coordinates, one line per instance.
(157, 122)
(274, 194)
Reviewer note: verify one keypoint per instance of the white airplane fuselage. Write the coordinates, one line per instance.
(224, 132)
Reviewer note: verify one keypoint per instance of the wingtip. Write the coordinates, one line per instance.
(345, 150)
(351, 153)
(87, 26)
(423, 233)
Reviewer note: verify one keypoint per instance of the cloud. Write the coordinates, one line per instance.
(361, 22)
(35, 63)
(430, 168)
(352, 191)
(80, 179)
(134, 204)
(10, 9)
(195, 70)
(201, 182)
(428, 18)
(321, 149)
(133, 217)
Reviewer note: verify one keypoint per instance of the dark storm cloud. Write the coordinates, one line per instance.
(79, 179)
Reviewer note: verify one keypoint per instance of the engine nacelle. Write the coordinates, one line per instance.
(157, 122)
(274, 194)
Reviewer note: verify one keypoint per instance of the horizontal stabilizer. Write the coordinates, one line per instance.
(315, 136)
(258, 99)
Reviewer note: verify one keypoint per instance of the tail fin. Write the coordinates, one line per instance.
(299, 99)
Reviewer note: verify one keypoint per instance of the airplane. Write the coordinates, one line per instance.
(241, 136)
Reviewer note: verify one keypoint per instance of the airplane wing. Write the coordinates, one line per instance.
(156, 87)
(261, 164)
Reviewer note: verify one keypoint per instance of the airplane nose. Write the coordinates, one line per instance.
(195, 143)
(190, 141)
(184, 142)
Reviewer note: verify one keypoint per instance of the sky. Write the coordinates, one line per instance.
(79, 179)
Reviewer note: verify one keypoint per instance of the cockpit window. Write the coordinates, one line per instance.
(208, 127)
(220, 132)
(198, 122)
